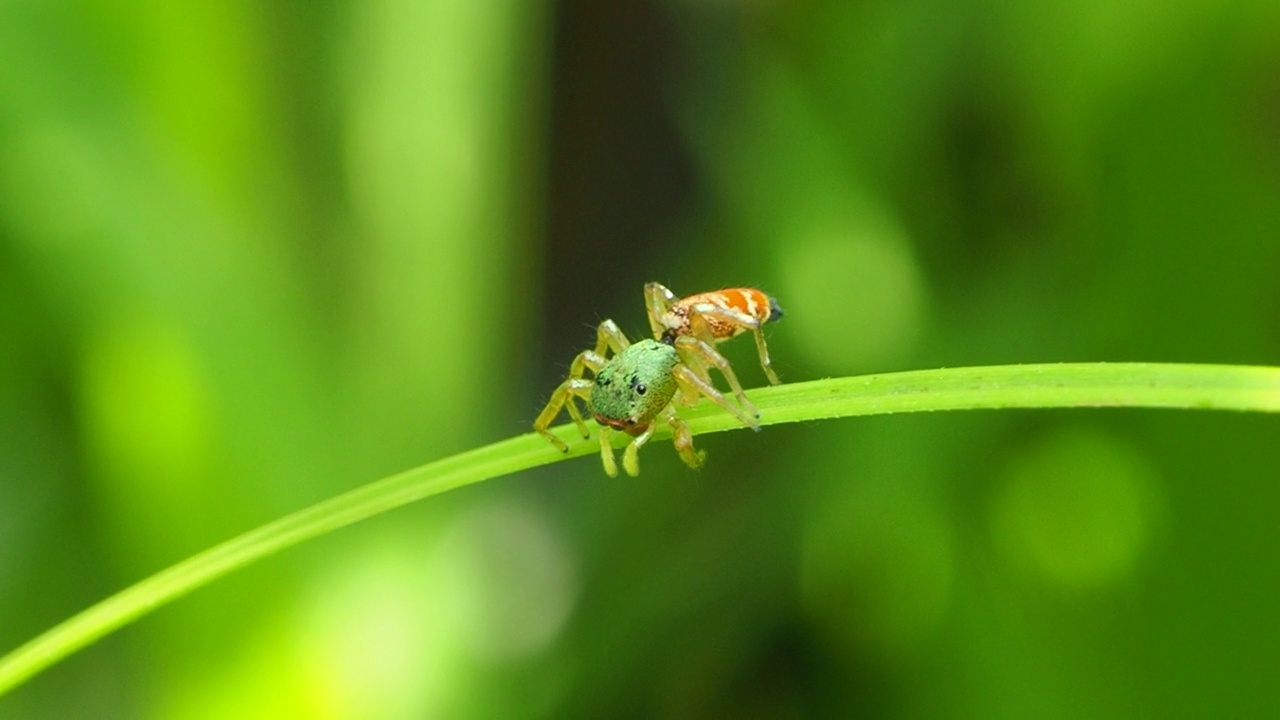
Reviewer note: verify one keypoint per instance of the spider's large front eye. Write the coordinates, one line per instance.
(641, 389)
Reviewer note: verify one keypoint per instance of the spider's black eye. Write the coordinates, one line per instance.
(641, 389)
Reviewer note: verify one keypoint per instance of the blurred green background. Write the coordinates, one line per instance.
(256, 254)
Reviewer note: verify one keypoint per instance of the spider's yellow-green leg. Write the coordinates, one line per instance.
(564, 397)
(741, 320)
(765, 362)
(658, 300)
(609, 336)
(686, 377)
(683, 439)
(631, 456)
(606, 453)
(708, 355)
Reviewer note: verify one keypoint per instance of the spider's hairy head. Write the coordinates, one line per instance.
(634, 386)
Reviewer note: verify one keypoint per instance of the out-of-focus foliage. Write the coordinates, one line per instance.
(253, 254)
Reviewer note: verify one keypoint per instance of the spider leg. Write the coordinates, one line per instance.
(565, 396)
(682, 439)
(608, 337)
(704, 316)
(746, 321)
(606, 453)
(631, 456)
(689, 393)
(707, 355)
(685, 376)
(765, 362)
(658, 300)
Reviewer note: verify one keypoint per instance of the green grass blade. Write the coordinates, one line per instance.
(1154, 385)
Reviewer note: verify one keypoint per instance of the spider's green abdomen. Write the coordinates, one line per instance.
(635, 386)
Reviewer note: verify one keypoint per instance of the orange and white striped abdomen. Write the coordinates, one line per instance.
(748, 302)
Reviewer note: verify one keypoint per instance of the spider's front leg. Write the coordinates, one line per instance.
(657, 301)
(564, 398)
(681, 438)
(606, 453)
(608, 337)
(575, 387)
(631, 456)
